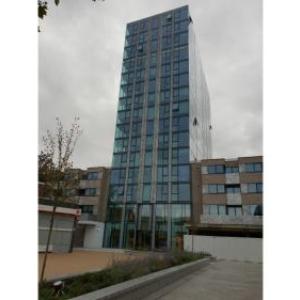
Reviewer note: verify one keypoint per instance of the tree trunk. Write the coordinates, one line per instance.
(48, 242)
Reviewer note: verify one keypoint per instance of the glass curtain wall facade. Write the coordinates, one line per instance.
(149, 204)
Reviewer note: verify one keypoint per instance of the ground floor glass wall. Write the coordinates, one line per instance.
(147, 226)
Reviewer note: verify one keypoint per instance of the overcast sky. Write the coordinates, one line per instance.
(80, 55)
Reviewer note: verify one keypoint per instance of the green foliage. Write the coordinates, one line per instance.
(42, 9)
(119, 271)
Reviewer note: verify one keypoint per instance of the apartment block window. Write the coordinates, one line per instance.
(216, 188)
(180, 139)
(163, 157)
(94, 175)
(152, 73)
(87, 209)
(215, 169)
(162, 193)
(255, 187)
(163, 140)
(149, 142)
(214, 210)
(151, 99)
(162, 174)
(90, 192)
(166, 58)
(181, 54)
(146, 192)
(253, 210)
(147, 174)
(181, 173)
(234, 210)
(233, 188)
(180, 156)
(230, 170)
(180, 94)
(166, 69)
(181, 67)
(181, 192)
(148, 158)
(118, 176)
(254, 167)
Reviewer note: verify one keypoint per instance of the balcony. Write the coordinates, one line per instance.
(88, 217)
(230, 220)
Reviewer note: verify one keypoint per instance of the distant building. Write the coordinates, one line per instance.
(92, 197)
(79, 218)
(65, 219)
(227, 197)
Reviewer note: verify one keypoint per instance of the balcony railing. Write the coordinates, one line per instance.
(227, 220)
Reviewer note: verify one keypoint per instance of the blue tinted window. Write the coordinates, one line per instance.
(147, 174)
(162, 193)
(233, 188)
(181, 192)
(180, 156)
(163, 156)
(180, 139)
(148, 158)
(216, 169)
(162, 174)
(146, 192)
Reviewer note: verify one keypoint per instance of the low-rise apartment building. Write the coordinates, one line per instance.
(227, 197)
(92, 200)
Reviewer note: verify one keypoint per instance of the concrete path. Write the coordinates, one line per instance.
(220, 280)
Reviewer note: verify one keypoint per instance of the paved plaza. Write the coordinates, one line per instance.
(220, 280)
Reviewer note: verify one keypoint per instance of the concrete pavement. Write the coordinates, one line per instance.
(219, 280)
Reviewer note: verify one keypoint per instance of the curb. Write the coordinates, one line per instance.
(139, 288)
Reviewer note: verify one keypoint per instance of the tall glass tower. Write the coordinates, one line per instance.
(163, 123)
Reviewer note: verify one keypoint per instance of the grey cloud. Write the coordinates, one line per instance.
(81, 46)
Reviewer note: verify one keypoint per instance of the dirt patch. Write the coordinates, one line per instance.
(65, 264)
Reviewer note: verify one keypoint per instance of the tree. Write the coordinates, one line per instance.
(43, 7)
(54, 163)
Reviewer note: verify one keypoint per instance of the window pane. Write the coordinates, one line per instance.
(146, 192)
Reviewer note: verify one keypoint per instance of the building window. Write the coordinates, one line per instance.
(163, 140)
(230, 170)
(181, 192)
(148, 158)
(234, 211)
(163, 157)
(162, 193)
(94, 175)
(181, 173)
(180, 139)
(216, 188)
(146, 192)
(255, 187)
(180, 156)
(133, 174)
(87, 209)
(162, 174)
(215, 169)
(214, 210)
(233, 188)
(90, 192)
(147, 174)
(253, 210)
(253, 167)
